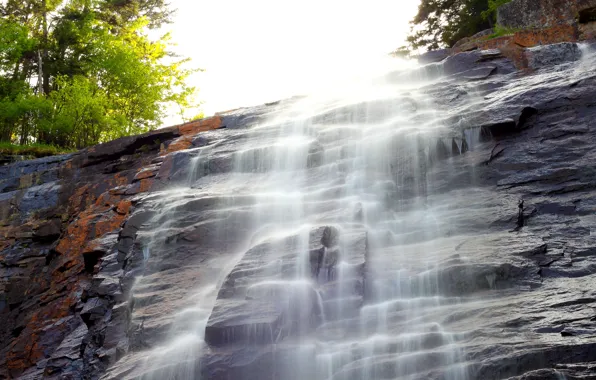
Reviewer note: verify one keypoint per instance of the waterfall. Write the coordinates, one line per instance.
(333, 274)
(332, 239)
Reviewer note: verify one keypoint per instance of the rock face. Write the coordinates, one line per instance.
(66, 249)
(552, 55)
(108, 254)
(533, 24)
(529, 14)
(434, 56)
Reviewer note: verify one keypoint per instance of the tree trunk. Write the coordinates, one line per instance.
(39, 73)
(45, 70)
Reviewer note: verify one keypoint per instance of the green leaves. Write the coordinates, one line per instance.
(14, 42)
(491, 12)
(103, 76)
(78, 112)
(441, 23)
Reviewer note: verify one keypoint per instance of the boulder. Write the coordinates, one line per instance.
(40, 197)
(66, 361)
(48, 231)
(434, 56)
(531, 14)
(551, 55)
(477, 64)
(330, 237)
(129, 145)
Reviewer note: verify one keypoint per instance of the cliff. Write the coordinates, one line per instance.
(531, 23)
(70, 251)
(66, 244)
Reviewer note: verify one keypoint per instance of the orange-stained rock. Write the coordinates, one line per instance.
(536, 14)
(33, 343)
(94, 203)
(552, 35)
(119, 180)
(95, 217)
(106, 202)
(124, 207)
(201, 125)
(181, 143)
(513, 46)
(188, 131)
(108, 222)
(146, 185)
(587, 31)
(146, 173)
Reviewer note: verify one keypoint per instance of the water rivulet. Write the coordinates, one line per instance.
(371, 233)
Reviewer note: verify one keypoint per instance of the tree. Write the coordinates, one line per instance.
(119, 12)
(441, 23)
(493, 6)
(78, 72)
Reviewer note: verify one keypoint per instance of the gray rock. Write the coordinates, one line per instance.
(66, 361)
(48, 231)
(479, 73)
(40, 197)
(116, 332)
(530, 14)
(551, 55)
(244, 322)
(478, 61)
(115, 149)
(330, 237)
(70, 347)
(434, 56)
(107, 285)
(440, 264)
(93, 308)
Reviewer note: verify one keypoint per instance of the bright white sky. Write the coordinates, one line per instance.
(256, 51)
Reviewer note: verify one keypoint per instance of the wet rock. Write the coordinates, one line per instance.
(520, 290)
(49, 230)
(476, 64)
(253, 309)
(550, 55)
(245, 117)
(66, 361)
(40, 197)
(242, 322)
(468, 279)
(330, 237)
(323, 261)
(107, 285)
(94, 308)
(479, 73)
(116, 331)
(434, 56)
(526, 362)
(115, 149)
(541, 374)
(9, 184)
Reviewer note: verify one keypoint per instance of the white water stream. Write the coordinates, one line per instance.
(355, 160)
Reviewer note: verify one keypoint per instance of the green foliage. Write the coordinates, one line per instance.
(198, 116)
(501, 31)
(35, 150)
(78, 72)
(401, 52)
(441, 23)
(14, 42)
(493, 5)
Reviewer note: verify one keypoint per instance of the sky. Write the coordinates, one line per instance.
(256, 51)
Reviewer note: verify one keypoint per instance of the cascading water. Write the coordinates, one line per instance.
(328, 250)
(333, 270)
